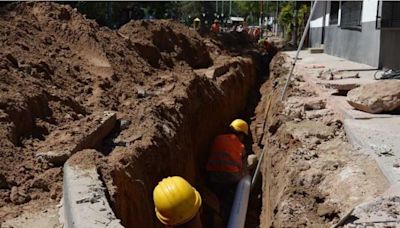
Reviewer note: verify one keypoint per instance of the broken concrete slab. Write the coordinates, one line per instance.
(345, 110)
(331, 74)
(83, 134)
(383, 210)
(84, 201)
(342, 85)
(378, 97)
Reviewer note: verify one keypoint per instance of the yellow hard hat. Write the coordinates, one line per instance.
(176, 201)
(197, 19)
(240, 125)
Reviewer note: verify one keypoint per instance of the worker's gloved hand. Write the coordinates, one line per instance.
(252, 160)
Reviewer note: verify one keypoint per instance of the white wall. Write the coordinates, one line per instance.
(368, 14)
(316, 23)
(369, 10)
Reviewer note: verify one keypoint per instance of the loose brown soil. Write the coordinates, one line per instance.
(173, 91)
(311, 175)
(57, 68)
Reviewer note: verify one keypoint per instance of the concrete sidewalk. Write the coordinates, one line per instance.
(377, 134)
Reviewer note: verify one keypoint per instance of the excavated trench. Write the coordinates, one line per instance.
(171, 91)
(180, 144)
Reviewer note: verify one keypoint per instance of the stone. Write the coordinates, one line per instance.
(377, 97)
(315, 104)
(141, 93)
(308, 129)
(124, 124)
(324, 210)
(17, 196)
(313, 114)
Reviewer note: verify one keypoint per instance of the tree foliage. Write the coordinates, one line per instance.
(114, 14)
(286, 17)
(302, 14)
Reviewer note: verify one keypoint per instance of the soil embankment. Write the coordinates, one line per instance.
(171, 89)
(311, 175)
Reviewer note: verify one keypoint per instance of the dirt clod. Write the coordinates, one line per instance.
(18, 196)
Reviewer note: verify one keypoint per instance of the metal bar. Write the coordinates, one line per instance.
(298, 49)
(237, 218)
(343, 70)
(256, 173)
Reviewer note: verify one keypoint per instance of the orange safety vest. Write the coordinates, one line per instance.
(215, 28)
(226, 154)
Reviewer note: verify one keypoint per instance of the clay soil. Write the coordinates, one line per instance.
(173, 91)
(57, 67)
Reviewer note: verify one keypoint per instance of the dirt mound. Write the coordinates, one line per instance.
(58, 69)
(162, 43)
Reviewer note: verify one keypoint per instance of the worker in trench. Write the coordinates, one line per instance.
(215, 27)
(177, 203)
(225, 163)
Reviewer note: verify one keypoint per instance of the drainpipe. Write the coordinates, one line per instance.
(237, 217)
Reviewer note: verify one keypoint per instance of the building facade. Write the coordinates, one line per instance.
(362, 31)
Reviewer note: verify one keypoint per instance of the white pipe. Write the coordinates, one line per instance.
(237, 217)
(298, 49)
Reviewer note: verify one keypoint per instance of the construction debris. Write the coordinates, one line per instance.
(381, 212)
(377, 97)
(85, 203)
(83, 134)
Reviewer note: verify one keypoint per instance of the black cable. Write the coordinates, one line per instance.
(388, 74)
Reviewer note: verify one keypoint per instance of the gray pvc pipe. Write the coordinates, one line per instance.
(237, 217)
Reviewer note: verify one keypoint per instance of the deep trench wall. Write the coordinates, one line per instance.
(180, 143)
(266, 123)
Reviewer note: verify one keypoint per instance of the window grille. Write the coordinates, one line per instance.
(334, 13)
(351, 14)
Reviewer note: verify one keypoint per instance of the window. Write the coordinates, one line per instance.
(390, 14)
(334, 13)
(351, 15)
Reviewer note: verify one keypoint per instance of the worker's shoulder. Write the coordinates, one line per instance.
(226, 137)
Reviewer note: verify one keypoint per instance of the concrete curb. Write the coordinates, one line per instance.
(84, 201)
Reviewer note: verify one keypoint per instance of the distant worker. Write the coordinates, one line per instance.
(267, 45)
(176, 202)
(196, 24)
(224, 165)
(215, 27)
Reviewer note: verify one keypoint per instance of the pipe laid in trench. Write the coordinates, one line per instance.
(237, 217)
